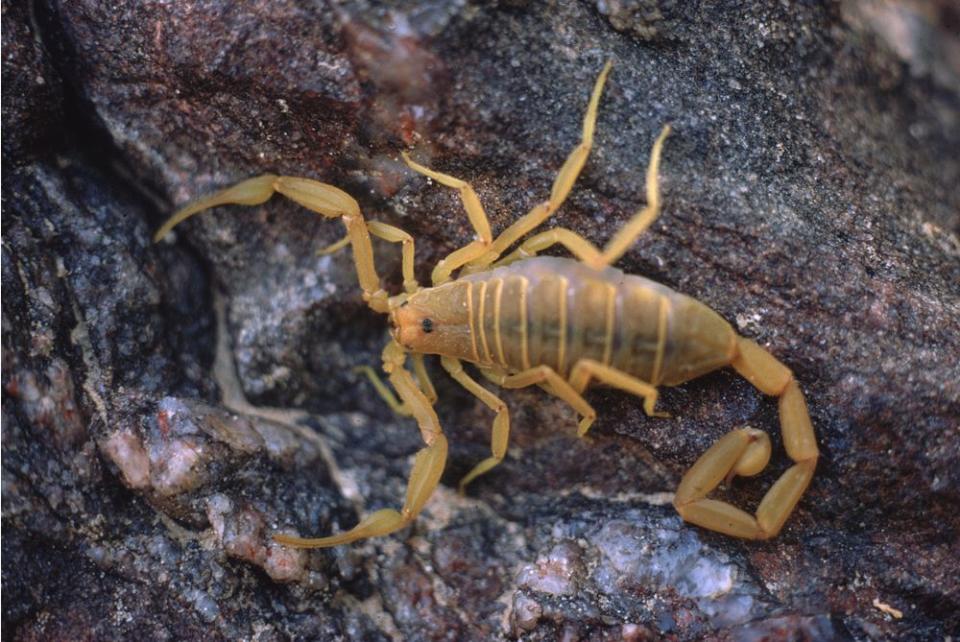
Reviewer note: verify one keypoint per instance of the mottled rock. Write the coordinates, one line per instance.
(809, 196)
(33, 103)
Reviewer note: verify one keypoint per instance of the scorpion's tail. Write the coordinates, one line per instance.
(746, 451)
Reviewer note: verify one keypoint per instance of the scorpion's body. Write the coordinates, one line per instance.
(550, 311)
(558, 323)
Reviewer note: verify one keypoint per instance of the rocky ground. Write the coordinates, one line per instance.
(167, 407)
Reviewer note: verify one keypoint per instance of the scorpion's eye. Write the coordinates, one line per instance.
(427, 326)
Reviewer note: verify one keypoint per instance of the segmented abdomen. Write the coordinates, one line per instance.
(554, 311)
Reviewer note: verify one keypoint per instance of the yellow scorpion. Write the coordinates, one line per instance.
(558, 323)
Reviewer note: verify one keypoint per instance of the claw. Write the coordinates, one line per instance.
(427, 468)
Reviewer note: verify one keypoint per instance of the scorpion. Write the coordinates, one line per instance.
(559, 323)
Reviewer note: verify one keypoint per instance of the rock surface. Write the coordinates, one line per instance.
(809, 197)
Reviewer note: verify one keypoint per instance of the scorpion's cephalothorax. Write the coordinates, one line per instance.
(436, 321)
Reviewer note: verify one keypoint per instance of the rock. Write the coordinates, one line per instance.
(151, 449)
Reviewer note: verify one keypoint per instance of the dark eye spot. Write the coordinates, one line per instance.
(427, 326)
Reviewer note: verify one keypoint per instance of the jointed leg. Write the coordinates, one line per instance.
(575, 244)
(746, 451)
(578, 157)
(479, 254)
(637, 225)
(334, 247)
(584, 249)
(495, 376)
(321, 198)
(396, 235)
(471, 202)
(586, 369)
(562, 185)
(385, 393)
(427, 468)
(393, 235)
(423, 379)
(501, 424)
(541, 375)
(478, 218)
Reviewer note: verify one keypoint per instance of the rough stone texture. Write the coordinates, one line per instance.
(809, 196)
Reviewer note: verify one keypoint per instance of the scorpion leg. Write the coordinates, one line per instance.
(643, 219)
(423, 378)
(426, 386)
(587, 369)
(427, 468)
(396, 235)
(384, 391)
(575, 244)
(334, 247)
(387, 233)
(584, 249)
(478, 218)
(562, 185)
(540, 375)
(501, 423)
(495, 376)
(321, 198)
(736, 454)
(393, 235)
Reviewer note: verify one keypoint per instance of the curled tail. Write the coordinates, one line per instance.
(745, 451)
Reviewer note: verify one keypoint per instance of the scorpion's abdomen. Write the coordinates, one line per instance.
(555, 311)
(665, 337)
(698, 341)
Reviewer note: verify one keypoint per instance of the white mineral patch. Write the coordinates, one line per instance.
(666, 559)
(174, 466)
(553, 573)
(127, 452)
